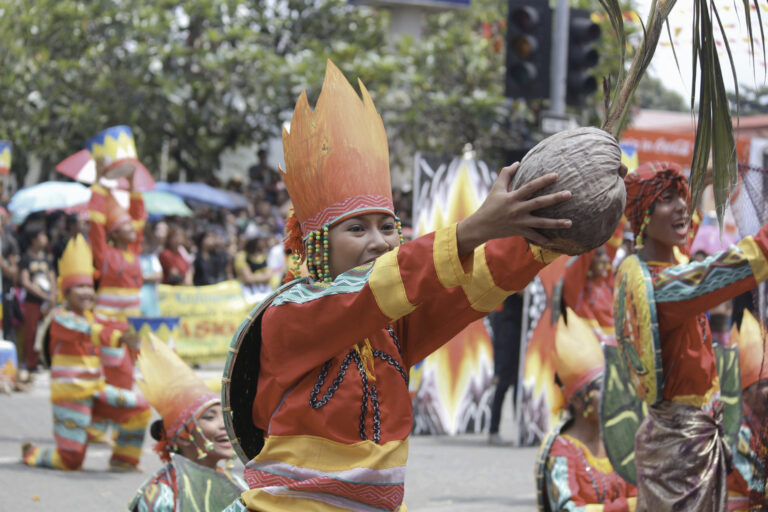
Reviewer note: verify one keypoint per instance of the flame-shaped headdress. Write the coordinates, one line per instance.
(337, 158)
(6, 151)
(752, 343)
(76, 264)
(171, 387)
(578, 355)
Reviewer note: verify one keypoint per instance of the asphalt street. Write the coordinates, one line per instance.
(451, 474)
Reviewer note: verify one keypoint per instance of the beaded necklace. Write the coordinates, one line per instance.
(368, 387)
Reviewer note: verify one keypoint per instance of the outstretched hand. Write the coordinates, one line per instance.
(508, 212)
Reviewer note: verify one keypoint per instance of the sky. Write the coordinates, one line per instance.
(680, 20)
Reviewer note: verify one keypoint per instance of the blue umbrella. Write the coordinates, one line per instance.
(49, 195)
(201, 193)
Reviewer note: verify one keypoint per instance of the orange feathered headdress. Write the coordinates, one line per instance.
(336, 158)
(578, 355)
(171, 387)
(752, 343)
(116, 214)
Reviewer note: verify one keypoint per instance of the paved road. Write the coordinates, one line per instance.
(451, 474)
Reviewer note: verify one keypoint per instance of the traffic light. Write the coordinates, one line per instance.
(529, 40)
(583, 33)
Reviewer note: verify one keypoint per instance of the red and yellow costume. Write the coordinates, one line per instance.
(574, 479)
(118, 273)
(78, 389)
(332, 396)
(683, 294)
(747, 482)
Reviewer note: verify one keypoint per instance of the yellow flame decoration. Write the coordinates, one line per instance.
(468, 356)
(5, 159)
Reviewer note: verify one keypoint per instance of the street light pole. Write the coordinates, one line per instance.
(559, 57)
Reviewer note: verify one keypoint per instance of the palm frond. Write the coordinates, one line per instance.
(616, 17)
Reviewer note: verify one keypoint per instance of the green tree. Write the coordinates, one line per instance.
(652, 94)
(751, 101)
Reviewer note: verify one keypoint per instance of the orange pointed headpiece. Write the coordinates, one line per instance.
(578, 355)
(76, 264)
(752, 343)
(336, 157)
(171, 387)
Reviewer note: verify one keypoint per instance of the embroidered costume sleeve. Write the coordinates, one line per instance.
(579, 482)
(683, 293)
(406, 286)
(158, 494)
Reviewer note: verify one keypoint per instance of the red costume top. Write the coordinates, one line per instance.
(578, 480)
(119, 276)
(683, 294)
(328, 345)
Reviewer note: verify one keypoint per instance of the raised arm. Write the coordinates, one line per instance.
(683, 291)
(426, 280)
(97, 231)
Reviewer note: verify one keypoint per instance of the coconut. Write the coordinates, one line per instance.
(587, 161)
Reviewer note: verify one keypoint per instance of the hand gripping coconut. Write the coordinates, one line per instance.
(588, 163)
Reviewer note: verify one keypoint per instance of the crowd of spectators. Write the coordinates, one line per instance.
(214, 245)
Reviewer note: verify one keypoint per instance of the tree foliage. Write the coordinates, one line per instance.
(202, 76)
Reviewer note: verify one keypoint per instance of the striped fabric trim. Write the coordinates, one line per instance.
(685, 282)
(481, 289)
(369, 203)
(312, 473)
(388, 288)
(97, 217)
(756, 258)
(72, 321)
(351, 281)
(446, 258)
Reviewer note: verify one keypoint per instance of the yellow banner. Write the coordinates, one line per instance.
(209, 316)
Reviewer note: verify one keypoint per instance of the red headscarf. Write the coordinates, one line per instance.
(644, 186)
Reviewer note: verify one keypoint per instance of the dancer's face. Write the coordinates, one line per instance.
(211, 422)
(359, 240)
(126, 233)
(669, 221)
(80, 298)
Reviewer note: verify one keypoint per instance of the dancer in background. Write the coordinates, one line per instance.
(78, 389)
(573, 472)
(681, 456)
(747, 482)
(191, 439)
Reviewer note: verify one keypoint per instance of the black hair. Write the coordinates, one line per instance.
(156, 430)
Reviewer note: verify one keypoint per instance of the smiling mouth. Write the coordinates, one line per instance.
(681, 226)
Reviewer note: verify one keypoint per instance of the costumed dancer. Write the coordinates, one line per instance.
(681, 456)
(747, 482)
(573, 471)
(78, 388)
(332, 353)
(587, 286)
(116, 237)
(191, 438)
